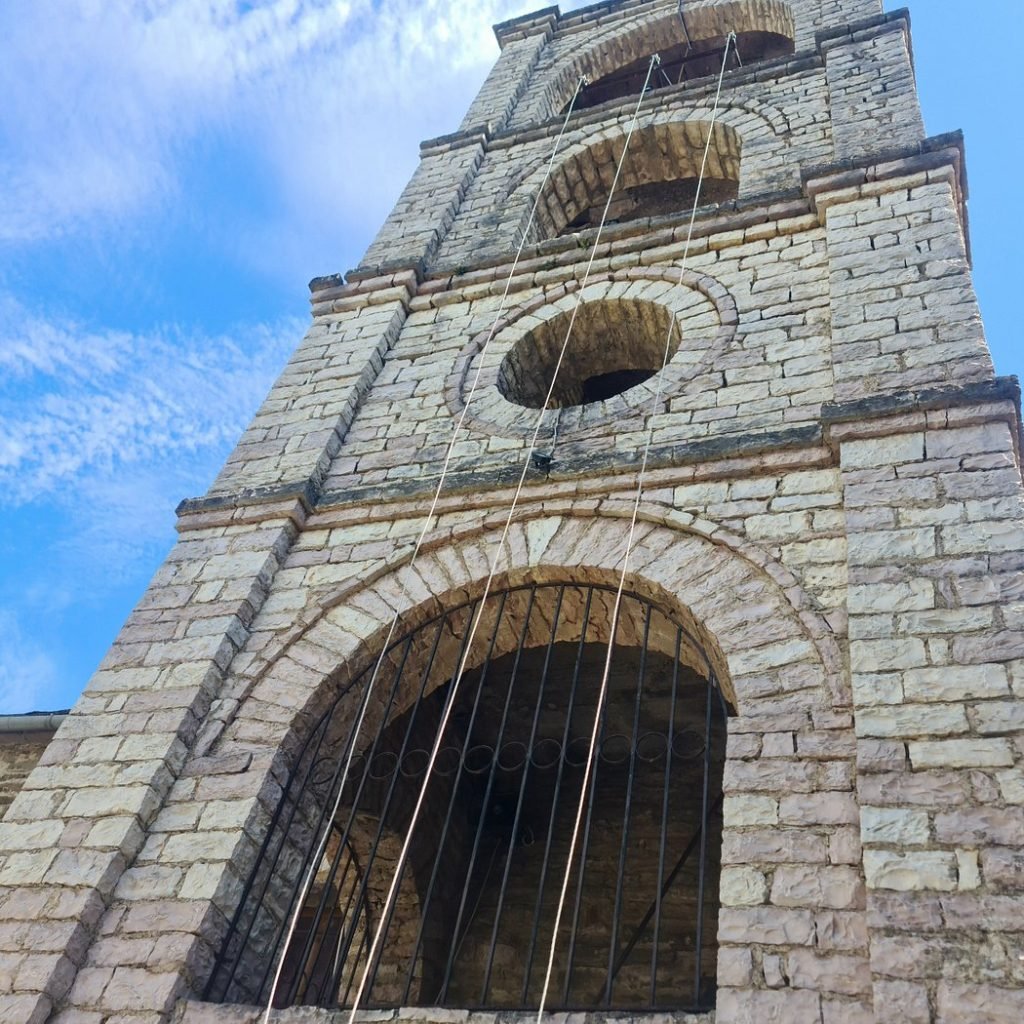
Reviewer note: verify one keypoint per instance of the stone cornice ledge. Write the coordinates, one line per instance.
(876, 416)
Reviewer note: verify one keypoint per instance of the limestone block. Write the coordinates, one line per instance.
(838, 888)
(845, 975)
(910, 872)
(952, 683)
(742, 887)
(785, 1006)
(902, 1002)
(970, 1004)
(882, 451)
(895, 826)
(747, 809)
(965, 753)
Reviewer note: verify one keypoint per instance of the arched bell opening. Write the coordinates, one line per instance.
(478, 896)
(691, 44)
(659, 177)
(683, 63)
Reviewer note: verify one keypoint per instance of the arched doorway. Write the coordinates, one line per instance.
(472, 924)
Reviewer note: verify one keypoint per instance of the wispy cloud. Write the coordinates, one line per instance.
(103, 102)
(77, 403)
(27, 672)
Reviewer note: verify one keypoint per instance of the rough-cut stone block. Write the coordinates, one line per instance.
(845, 975)
(769, 1007)
(894, 826)
(972, 1004)
(907, 872)
(838, 888)
(966, 753)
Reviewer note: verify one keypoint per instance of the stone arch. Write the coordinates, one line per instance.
(776, 658)
(588, 163)
(622, 45)
(658, 176)
(744, 606)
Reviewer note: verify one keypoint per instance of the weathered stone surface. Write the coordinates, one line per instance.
(839, 888)
(906, 872)
(894, 826)
(968, 1004)
(782, 1007)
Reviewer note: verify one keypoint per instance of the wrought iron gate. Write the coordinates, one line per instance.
(472, 923)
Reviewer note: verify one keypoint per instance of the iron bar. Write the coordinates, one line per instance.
(697, 980)
(566, 730)
(663, 831)
(626, 808)
(519, 805)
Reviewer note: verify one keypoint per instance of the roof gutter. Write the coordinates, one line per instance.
(37, 722)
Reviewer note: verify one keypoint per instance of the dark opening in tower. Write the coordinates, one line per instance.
(613, 346)
(691, 44)
(479, 896)
(659, 177)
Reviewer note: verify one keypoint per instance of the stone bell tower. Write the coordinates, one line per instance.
(687, 361)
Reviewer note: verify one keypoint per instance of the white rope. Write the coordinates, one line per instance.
(603, 691)
(427, 522)
(498, 552)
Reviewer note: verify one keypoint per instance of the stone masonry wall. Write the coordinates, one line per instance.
(867, 71)
(833, 505)
(19, 754)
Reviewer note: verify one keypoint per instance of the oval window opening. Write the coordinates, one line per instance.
(614, 346)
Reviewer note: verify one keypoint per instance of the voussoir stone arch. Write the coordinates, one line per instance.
(631, 40)
(746, 133)
(770, 650)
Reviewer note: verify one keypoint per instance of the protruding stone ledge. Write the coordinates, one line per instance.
(288, 501)
(827, 185)
(212, 1013)
(334, 293)
(866, 28)
(539, 22)
(999, 398)
(739, 446)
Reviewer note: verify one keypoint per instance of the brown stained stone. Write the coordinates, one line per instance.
(920, 789)
(1003, 868)
(982, 826)
(841, 930)
(970, 1004)
(819, 809)
(987, 913)
(910, 912)
(767, 925)
(776, 846)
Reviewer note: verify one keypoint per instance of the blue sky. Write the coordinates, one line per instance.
(173, 172)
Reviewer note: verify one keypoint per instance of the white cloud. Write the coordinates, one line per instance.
(78, 404)
(112, 429)
(103, 97)
(27, 673)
